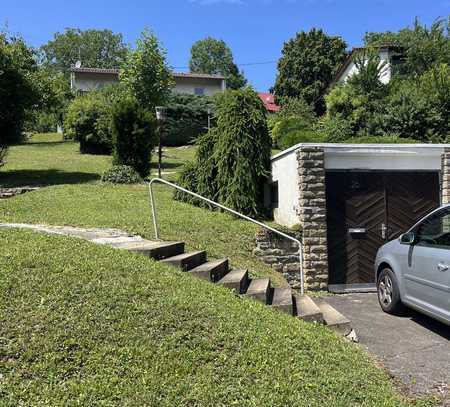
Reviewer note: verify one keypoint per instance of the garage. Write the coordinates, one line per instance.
(366, 210)
(351, 199)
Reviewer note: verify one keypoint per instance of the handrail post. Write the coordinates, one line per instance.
(218, 205)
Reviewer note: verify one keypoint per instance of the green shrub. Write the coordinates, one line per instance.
(134, 135)
(293, 124)
(333, 129)
(121, 174)
(387, 139)
(187, 119)
(296, 137)
(420, 107)
(88, 120)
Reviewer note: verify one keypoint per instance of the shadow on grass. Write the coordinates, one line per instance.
(45, 143)
(18, 178)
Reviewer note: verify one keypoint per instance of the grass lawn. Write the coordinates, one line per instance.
(46, 160)
(82, 324)
(87, 325)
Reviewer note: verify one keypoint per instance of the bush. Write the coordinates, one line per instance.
(121, 174)
(133, 135)
(392, 139)
(333, 129)
(88, 121)
(187, 119)
(420, 107)
(233, 160)
(293, 124)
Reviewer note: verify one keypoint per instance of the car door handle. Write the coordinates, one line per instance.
(442, 267)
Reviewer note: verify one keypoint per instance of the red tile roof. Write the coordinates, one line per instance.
(269, 102)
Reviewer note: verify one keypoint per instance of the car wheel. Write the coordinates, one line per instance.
(388, 292)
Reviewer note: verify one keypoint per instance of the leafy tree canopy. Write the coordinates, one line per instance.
(17, 89)
(212, 56)
(421, 47)
(308, 63)
(145, 72)
(94, 48)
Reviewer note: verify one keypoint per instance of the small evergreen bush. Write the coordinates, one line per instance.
(88, 121)
(134, 135)
(121, 174)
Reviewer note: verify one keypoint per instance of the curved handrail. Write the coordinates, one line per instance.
(263, 225)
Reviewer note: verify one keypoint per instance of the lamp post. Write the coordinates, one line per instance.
(160, 118)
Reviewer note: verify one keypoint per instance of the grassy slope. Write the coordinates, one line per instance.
(82, 324)
(85, 202)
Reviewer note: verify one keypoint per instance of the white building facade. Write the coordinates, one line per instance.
(84, 80)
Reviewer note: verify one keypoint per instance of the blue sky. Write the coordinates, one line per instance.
(254, 29)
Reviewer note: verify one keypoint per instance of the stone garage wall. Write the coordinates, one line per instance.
(280, 253)
(312, 211)
(445, 176)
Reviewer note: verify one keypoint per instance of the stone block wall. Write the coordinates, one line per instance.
(312, 216)
(280, 253)
(445, 176)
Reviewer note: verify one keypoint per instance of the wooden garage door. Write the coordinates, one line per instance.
(365, 210)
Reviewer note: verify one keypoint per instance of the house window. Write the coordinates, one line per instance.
(199, 91)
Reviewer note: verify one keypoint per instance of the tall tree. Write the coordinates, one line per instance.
(212, 56)
(145, 72)
(94, 48)
(308, 64)
(17, 90)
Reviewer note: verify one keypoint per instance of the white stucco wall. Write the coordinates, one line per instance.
(387, 157)
(188, 85)
(284, 171)
(385, 75)
(86, 82)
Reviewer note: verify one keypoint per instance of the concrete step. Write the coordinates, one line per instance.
(187, 261)
(307, 310)
(259, 289)
(334, 319)
(282, 300)
(212, 270)
(155, 250)
(235, 280)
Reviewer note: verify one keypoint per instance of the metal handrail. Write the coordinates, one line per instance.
(263, 225)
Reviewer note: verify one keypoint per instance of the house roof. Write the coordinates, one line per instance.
(349, 58)
(269, 102)
(115, 71)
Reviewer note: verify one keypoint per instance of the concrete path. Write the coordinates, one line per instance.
(414, 348)
(96, 235)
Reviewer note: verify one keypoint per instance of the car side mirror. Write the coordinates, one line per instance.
(408, 238)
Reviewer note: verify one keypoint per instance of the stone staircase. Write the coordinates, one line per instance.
(216, 271)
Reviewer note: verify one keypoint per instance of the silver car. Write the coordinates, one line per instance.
(414, 270)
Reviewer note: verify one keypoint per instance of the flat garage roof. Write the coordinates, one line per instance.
(375, 156)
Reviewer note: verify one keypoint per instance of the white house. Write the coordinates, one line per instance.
(389, 56)
(349, 199)
(87, 79)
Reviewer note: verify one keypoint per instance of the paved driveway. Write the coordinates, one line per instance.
(414, 348)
